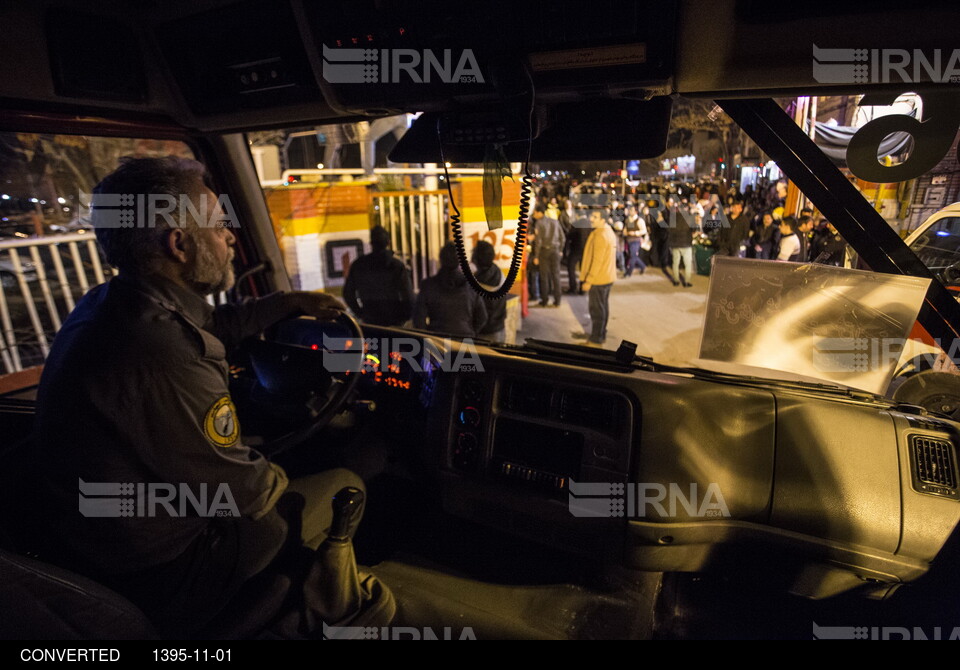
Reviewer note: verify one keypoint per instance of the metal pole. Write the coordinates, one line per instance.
(439, 232)
(95, 259)
(62, 277)
(28, 302)
(45, 287)
(424, 230)
(78, 266)
(395, 238)
(404, 233)
(11, 359)
(415, 252)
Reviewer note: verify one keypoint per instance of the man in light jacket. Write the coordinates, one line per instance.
(598, 272)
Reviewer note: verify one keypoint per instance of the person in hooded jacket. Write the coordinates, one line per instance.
(490, 277)
(446, 304)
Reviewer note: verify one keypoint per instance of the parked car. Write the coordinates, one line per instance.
(8, 275)
(937, 243)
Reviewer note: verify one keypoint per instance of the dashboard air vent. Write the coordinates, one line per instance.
(934, 467)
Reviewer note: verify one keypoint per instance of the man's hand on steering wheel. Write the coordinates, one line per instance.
(320, 305)
(289, 362)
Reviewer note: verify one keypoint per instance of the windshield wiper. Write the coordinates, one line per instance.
(624, 358)
(582, 354)
(712, 375)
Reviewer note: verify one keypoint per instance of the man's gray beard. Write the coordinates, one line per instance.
(204, 274)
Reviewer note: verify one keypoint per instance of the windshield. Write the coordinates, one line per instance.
(712, 193)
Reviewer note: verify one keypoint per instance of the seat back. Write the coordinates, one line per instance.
(42, 601)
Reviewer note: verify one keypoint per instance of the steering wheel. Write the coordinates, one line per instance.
(303, 372)
(951, 274)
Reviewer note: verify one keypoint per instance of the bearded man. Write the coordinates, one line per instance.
(134, 397)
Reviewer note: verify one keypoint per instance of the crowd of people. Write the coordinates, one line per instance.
(598, 233)
(379, 291)
(659, 224)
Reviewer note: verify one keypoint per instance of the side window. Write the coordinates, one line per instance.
(939, 248)
(48, 254)
(947, 227)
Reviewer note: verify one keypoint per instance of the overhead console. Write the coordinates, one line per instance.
(430, 55)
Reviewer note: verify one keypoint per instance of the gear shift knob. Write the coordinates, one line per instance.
(347, 511)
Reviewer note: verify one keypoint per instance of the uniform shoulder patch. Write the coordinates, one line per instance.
(220, 425)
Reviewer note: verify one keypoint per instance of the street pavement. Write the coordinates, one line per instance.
(662, 320)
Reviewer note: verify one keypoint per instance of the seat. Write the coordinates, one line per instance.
(51, 602)
(46, 602)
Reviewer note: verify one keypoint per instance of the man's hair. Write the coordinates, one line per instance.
(379, 238)
(135, 246)
(449, 260)
(791, 223)
(484, 254)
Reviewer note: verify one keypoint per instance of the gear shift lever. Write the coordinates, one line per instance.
(339, 594)
(347, 510)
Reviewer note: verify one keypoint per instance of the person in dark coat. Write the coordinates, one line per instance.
(378, 287)
(732, 237)
(659, 236)
(490, 277)
(766, 240)
(446, 304)
(547, 247)
(576, 239)
(830, 248)
(806, 237)
(680, 238)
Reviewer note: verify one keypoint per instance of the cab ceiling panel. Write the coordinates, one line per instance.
(749, 47)
(245, 56)
(94, 57)
(79, 59)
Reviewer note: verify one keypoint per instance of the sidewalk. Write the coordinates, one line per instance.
(664, 321)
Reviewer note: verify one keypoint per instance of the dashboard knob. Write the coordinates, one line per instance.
(470, 416)
(465, 453)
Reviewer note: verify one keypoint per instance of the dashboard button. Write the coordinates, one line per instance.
(465, 451)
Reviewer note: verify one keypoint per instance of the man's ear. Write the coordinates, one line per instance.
(177, 243)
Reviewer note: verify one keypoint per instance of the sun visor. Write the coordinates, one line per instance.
(601, 129)
(842, 326)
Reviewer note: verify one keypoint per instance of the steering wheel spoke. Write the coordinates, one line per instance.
(301, 377)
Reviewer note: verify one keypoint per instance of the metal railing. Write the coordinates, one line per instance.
(357, 173)
(417, 223)
(41, 278)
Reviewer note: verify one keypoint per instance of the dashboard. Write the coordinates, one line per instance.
(663, 471)
(675, 473)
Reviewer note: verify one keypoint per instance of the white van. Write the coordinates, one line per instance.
(937, 243)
